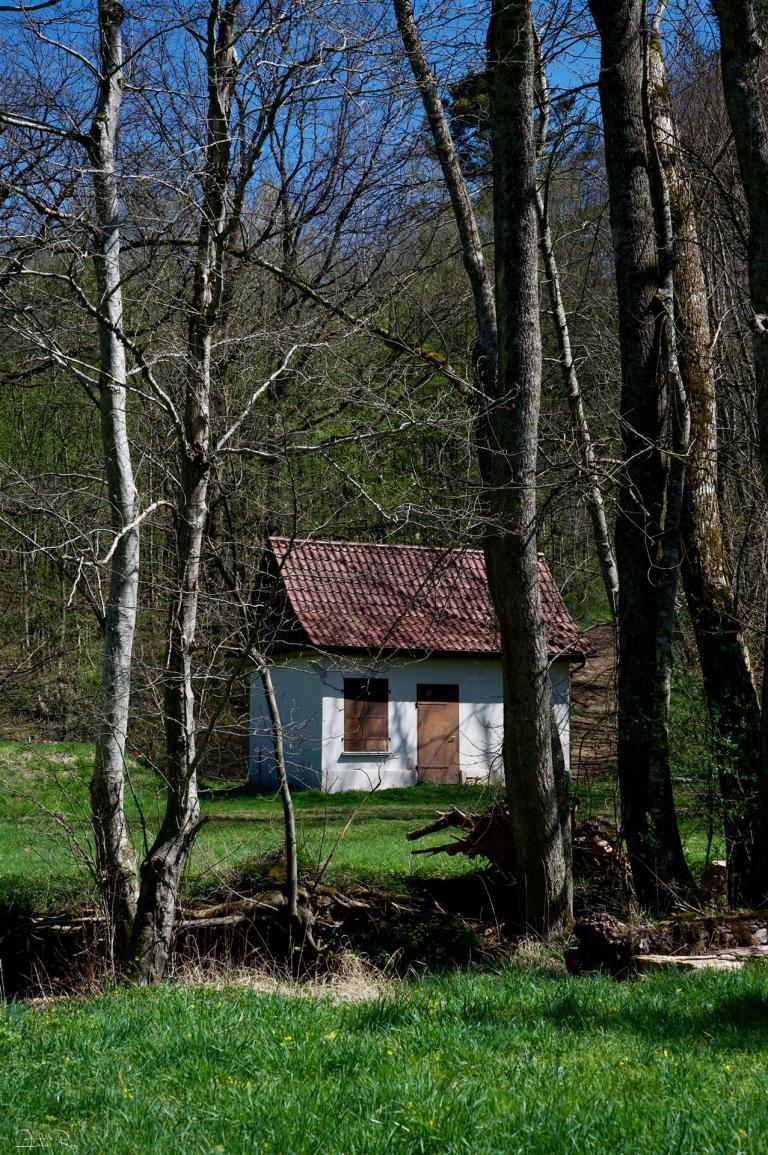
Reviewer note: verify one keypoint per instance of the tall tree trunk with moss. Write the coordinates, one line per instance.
(743, 30)
(671, 867)
(731, 695)
(115, 857)
(649, 822)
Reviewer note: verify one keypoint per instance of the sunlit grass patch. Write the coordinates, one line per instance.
(45, 827)
(518, 1062)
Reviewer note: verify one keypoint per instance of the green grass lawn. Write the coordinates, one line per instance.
(522, 1061)
(44, 827)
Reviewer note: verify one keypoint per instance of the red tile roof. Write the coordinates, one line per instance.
(354, 595)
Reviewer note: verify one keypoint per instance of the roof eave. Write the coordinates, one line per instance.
(299, 648)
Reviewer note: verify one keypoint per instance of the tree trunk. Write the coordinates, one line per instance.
(649, 823)
(289, 818)
(731, 696)
(508, 440)
(162, 870)
(671, 866)
(743, 27)
(506, 437)
(115, 857)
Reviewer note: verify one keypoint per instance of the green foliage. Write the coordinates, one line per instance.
(691, 739)
(518, 1062)
(588, 601)
(694, 766)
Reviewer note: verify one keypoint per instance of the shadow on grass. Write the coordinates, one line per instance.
(681, 1009)
(735, 1020)
(686, 1009)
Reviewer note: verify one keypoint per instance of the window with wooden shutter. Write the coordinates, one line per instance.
(366, 714)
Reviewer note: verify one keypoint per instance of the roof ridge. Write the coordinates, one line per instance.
(374, 544)
(383, 544)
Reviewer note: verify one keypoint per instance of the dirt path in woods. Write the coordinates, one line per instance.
(593, 715)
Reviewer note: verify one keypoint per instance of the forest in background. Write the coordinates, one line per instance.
(238, 298)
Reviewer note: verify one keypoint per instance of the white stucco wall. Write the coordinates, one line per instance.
(310, 694)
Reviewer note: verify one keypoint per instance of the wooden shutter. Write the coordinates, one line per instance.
(366, 714)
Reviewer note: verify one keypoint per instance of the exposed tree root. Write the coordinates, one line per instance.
(602, 876)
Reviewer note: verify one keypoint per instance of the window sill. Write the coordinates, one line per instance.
(357, 755)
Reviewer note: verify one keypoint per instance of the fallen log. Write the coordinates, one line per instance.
(724, 960)
(267, 903)
(605, 943)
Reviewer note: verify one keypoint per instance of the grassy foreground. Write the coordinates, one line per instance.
(519, 1062)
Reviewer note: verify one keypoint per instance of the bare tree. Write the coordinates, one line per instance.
(648, 814)
(207, 421)
(743, 27)
(115, 857)
(595, 498)
(164, 864)
(507, 374)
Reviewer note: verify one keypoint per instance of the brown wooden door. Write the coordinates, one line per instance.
(438, 732)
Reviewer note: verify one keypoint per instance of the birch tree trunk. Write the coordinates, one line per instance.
(743, 28)
(506, 414)
(115, 857)
(649, 823)
(162, 870)
(731, 696)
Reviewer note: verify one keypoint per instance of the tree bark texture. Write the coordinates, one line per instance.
(649, 824)
(289, 817)
(671, 866)
(508, 440)
(115, 857)
(506, 424)
(731, 695)
(163, 867)
(743, 29)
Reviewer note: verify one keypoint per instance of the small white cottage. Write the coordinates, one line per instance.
(387, 666)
